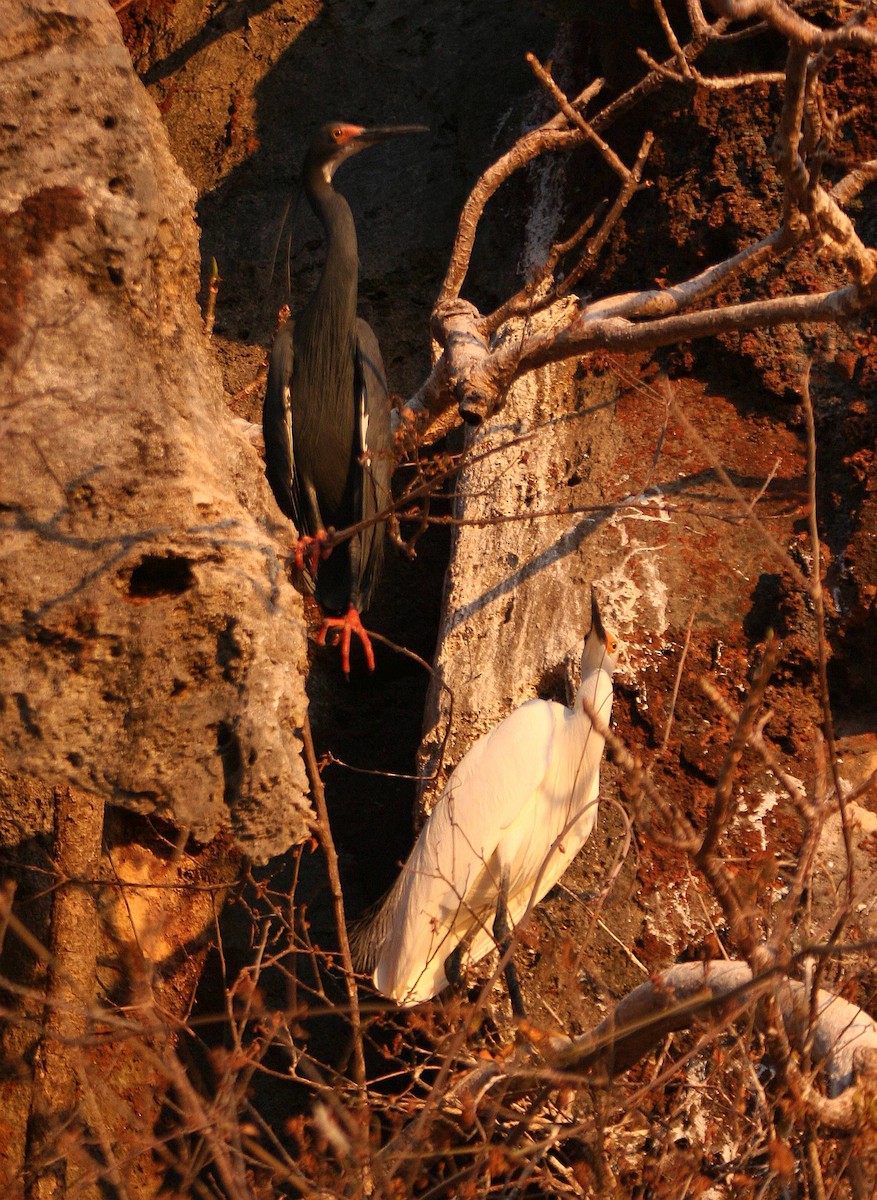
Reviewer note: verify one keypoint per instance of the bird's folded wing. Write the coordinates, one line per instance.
(277, 427)
(448, 886)
(500, 773)
(374, 451)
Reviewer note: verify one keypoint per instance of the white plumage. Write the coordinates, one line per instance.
(522, 802)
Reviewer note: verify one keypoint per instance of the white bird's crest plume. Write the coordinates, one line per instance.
(514, 813)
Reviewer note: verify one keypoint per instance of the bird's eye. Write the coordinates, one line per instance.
(337, 134)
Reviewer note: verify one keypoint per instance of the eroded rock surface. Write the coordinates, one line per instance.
(152, 648)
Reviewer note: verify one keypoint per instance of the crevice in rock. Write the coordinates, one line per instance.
(161, 575)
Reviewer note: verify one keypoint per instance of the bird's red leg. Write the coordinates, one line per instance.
(316, 549)
(347, 626)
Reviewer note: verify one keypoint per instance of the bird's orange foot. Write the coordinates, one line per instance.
(315, 547)
(347, 626)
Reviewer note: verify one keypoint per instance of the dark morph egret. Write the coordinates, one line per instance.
(515, 812)
(326, 417)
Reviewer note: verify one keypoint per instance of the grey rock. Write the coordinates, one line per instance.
(152, 649)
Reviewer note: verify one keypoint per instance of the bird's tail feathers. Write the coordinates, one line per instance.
(370, 930)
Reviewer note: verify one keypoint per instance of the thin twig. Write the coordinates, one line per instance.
(722, 812)
(793, 788)
(818, 597)
(324, 832)
(678, 680)
(624, 197)
(716, 463)
(575, 117)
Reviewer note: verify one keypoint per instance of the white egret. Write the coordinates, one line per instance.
(515, 812)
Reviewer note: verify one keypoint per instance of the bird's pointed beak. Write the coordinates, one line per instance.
(383, 133)
(596, 619)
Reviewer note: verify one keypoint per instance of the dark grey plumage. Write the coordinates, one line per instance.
(326, 416)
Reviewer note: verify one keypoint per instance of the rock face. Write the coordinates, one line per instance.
(152, 649)
(610, 471)
(600, 482)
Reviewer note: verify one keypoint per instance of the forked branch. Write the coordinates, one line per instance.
(481, 356)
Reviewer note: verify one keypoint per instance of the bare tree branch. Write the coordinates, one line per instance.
(684, 991)
(530, 146)
(845, 1037)
(482, 356)
(575, 118)
(324, 832)
(786, 21)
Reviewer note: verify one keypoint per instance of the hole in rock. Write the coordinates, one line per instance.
(161, 575)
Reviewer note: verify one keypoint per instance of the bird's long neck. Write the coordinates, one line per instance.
(325, 334)
(334, 302)
(595, 690)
